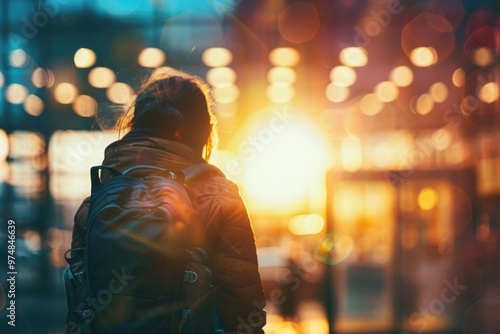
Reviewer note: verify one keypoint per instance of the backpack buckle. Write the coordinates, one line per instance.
(190, 276)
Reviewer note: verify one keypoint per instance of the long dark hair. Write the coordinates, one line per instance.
(174, 105)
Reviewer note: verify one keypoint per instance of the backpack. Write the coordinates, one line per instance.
(139, 269)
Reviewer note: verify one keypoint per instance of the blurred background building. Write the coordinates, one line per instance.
(361, 134)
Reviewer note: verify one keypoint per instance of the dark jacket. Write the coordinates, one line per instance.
(225, 230)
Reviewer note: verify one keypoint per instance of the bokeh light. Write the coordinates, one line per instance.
(216, 57)
(343, 76)
(4, 145)
(51, 79)
(40, 77)
(441, 139)
(306, 224)
(427, 198)
(336, 93)
(333, 249)
(120, 93)
(483, 56)
(33, 105)
(101, 77)
(386, 91)
(221, 76)
(16, 93)
(281, 76)
(65, 93)
(85, 106)
(351, 153)
(2, 79)
(438, 92)
(32, 240)
(423, 56)
(18, 58)
(84, 58)
(284, 57)
(458, 77)
(299, 22)
(353, 56)
(428, 38)
(151, 57)
(402, 76)
(226, 94)
(489, 92)
(280, 93)
(370, 104)
(424, 104)
(285, 149)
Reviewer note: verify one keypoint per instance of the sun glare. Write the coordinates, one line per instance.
(283, 160)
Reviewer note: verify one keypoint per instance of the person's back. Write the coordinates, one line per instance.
(171, 127)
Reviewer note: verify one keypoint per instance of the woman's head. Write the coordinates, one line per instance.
(176, 106)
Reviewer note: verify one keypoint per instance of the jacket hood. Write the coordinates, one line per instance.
(132, 151)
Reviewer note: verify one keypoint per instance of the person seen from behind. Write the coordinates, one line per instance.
(170, 125)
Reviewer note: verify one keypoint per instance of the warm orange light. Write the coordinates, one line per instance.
(284, 143)
(387, 91)
(4, 145)
(65, 93)
(280, 93)
(489, 92)
(439, 92)
(286, 327)
(483, 56)
(51, 79)
(281, 76)
(336, 93)
(73, 153)
(351, 154)
(284, 57)
(402, 76)
(221, 76)
(425, 103)
(216, 57)
(423, 56)
(334, 249)
(314, 326)
(40, 77)
(427, 199)
(441, 139)
(24, 144)
(151, 57)
(226, 94)
(370, 104)
(120, 93)
(85, 106)
(458, 77)
(343, 76)
(84, 58)
(306, 224)
(354, 56)
(101, 77)
(33, 105)
(16, 93)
